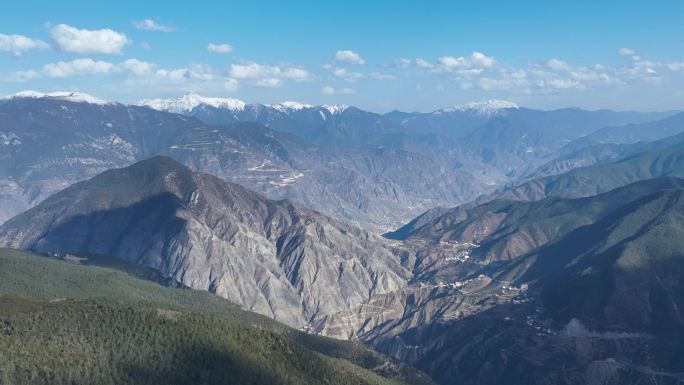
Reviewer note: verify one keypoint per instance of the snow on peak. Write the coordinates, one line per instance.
(290, 106)
(335, 108)
(485, 107)
(189, 101)
(70, 96)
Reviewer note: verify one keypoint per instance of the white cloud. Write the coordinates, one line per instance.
(130, 68)
(252, 70)
(486, 73)
(559, 84)
(468, 72)
(176, 75)
(18, 45)
(328, 90)
(220, 48)
(83, 41)
(202, 72)
(269, 82)
(194, 78)
(675, 66)
(348, 56)
(84, 66)
(558, 65)
(626, 52)
(137, 67)
(642, 69)
(398, 63)
(402, 63)
(345, 74)
(481, 59)
(424, 64)
(296, 74)
(264, 75)
(381, 76)
(137, 74)
(193, 73)
(151, 25)
(474, 64)
(23, 76)
(506, 80)
(231, 84)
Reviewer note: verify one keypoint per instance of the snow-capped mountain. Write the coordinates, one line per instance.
(71, 96)
(335, 108)
(290, 106)
(186, 103)
(483, 108)
(189, 101)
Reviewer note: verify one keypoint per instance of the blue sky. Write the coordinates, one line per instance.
(379, 55)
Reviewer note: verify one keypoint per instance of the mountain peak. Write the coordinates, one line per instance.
(159, 160)
(484, 107)
(167, 213)
(189, 101)
(290, 106)
(335, 108)
(71, 96)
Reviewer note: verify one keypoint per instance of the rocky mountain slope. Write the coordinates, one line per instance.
(48, 143)
(471, 295)
(614, 143)
(506, 229)
(601, 177)
(567, 291)
(273, 257)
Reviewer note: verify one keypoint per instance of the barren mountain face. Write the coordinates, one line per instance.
(272, 257)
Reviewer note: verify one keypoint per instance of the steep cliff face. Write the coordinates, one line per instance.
(273, 257)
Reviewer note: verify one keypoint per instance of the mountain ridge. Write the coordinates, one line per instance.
(273, 257)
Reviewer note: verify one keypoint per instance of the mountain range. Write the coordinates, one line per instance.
(404, 298)
(311, 154)
(525, 246)
(571, 291)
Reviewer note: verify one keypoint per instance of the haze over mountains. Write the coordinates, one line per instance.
(310, 154)
(524, 246)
